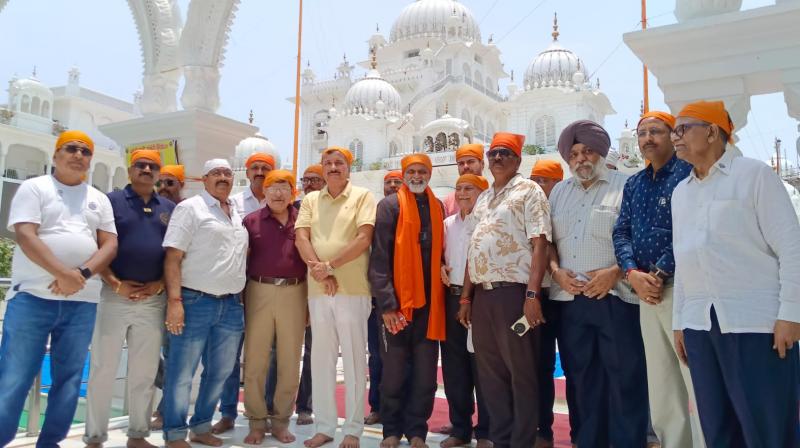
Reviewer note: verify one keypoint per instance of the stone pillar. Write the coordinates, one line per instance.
(160, 92)
(201, 90)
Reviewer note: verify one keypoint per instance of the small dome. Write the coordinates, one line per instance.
(366, 95)
(29, 95)
(431, 18)
(554, 66)
(254, 144)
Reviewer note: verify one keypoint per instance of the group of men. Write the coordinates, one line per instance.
(673, 295)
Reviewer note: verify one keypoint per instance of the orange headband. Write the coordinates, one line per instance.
(470, 150)
(711, 112)
(668, 119)
(394, 174)
(281, 176)
(411, 159)
(174, 170)
(260, 157)
(548, 168)
(480, 182)
(316, 169)
(150, 154)
(508, 140)
(74, 136)
(348, 156)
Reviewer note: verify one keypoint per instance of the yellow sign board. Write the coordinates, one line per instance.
(167, 148)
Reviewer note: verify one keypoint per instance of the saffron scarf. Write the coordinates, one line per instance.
(409, 281)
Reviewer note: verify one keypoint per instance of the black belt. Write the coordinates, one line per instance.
(277, 281)
(455, 290)
(216, 296)
(488, 286)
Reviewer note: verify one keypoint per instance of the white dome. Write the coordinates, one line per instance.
(431, 18)
(364, 96)
(553, 65)
(32, 87)
(254, 144)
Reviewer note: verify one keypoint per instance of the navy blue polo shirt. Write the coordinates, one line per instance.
(140, 232)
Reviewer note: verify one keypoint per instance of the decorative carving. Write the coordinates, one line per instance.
(201, 88)
(159, 92)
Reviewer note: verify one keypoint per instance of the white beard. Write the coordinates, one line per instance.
(417, 188)
(598, 169)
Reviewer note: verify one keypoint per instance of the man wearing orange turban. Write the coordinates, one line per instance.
(65, 236)
(547, 173)
(275, 310)
(505, 263)
(405, 278)
(736, 243)
(458, 364)
(643, 247)
(133, 302)
(469, 159)
(392, 182)
(344, 152)
(171, 181)
(312, 179)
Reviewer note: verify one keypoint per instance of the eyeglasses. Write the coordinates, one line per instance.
(311, 180)
(167, 182)
(501, 152)
(72, 149)
(681, 128)
(143, 165)
(655, 132)
(221, 172)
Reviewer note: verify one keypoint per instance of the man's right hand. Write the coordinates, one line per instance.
(445, 274)
(330, 285)
(567, 280)
(128, 288)
(464, 315)
(394, 321)
(680, 347)
(175, 317)
(647, 286)
(68, 282)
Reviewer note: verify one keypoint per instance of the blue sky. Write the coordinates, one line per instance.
(99, 37)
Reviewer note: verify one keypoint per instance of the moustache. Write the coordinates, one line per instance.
(222, 182)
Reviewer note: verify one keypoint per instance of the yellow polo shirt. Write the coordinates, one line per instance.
(333, 224)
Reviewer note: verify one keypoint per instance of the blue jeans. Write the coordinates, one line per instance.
(29, 321)
(212, 333)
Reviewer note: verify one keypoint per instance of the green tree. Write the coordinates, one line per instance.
(532, 150)
(6, 252)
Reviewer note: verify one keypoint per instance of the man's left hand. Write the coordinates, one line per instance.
(601, 281)
(533, 312)
(786, 334)
(150, 289)
(318, 270)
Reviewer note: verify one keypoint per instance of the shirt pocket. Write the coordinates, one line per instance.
(601, 221)
(731, 218)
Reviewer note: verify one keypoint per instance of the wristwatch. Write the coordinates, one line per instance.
(330, 268)
(85, 272)
(531, 294)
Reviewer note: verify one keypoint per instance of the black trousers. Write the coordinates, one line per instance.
(407, 403)
(603, 343)
(551, 331)
(460, 374)
(374, 363)
(506, 366)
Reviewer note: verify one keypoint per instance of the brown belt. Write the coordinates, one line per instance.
(488, 286)
(277, 281)
(455, 290)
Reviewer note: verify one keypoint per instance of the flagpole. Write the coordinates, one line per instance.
(646, 98)
(297, 91)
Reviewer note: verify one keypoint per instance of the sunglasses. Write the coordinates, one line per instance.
(72, 149)
(681, 129)
(502, 152)
(167, 182)
(310, 180)
(143, 165)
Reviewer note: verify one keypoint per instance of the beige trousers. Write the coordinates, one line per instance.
(273, 313)
(339, 322)
(673, 409)
(140, 325)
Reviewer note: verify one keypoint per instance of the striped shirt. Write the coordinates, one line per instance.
(583, 221)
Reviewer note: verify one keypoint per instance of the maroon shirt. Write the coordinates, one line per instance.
(272, 249)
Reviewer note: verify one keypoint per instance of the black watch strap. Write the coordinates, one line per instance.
(85, 272)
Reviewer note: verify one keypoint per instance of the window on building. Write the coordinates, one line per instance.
(357, 148)
(26, 104)
(393, 149)
(413, 53)
(46, 109)
(36, 105)
(428, 145)
(453, 142)
(545, 131)
(440, 144)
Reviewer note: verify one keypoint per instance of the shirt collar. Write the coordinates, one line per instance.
(723, 165)
(211, 201)
(511, 183)
(669, 167)
(266, 213)
(345, 192)
(130, 194)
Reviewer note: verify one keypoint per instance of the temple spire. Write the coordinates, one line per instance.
(555, 33)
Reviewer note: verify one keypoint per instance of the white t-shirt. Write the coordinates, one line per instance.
(69, 218)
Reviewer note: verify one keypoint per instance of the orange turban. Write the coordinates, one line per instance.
(711, 112)
(479, 181)
(348, 156)
(667, 118)
(74, 136)
(281, 176)
(394, 174)
(470, 150)
(316, 169)
(548, 168)
(150, 154)
(508, 140)
(174, 170)
(411, 159)
(260, 157)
